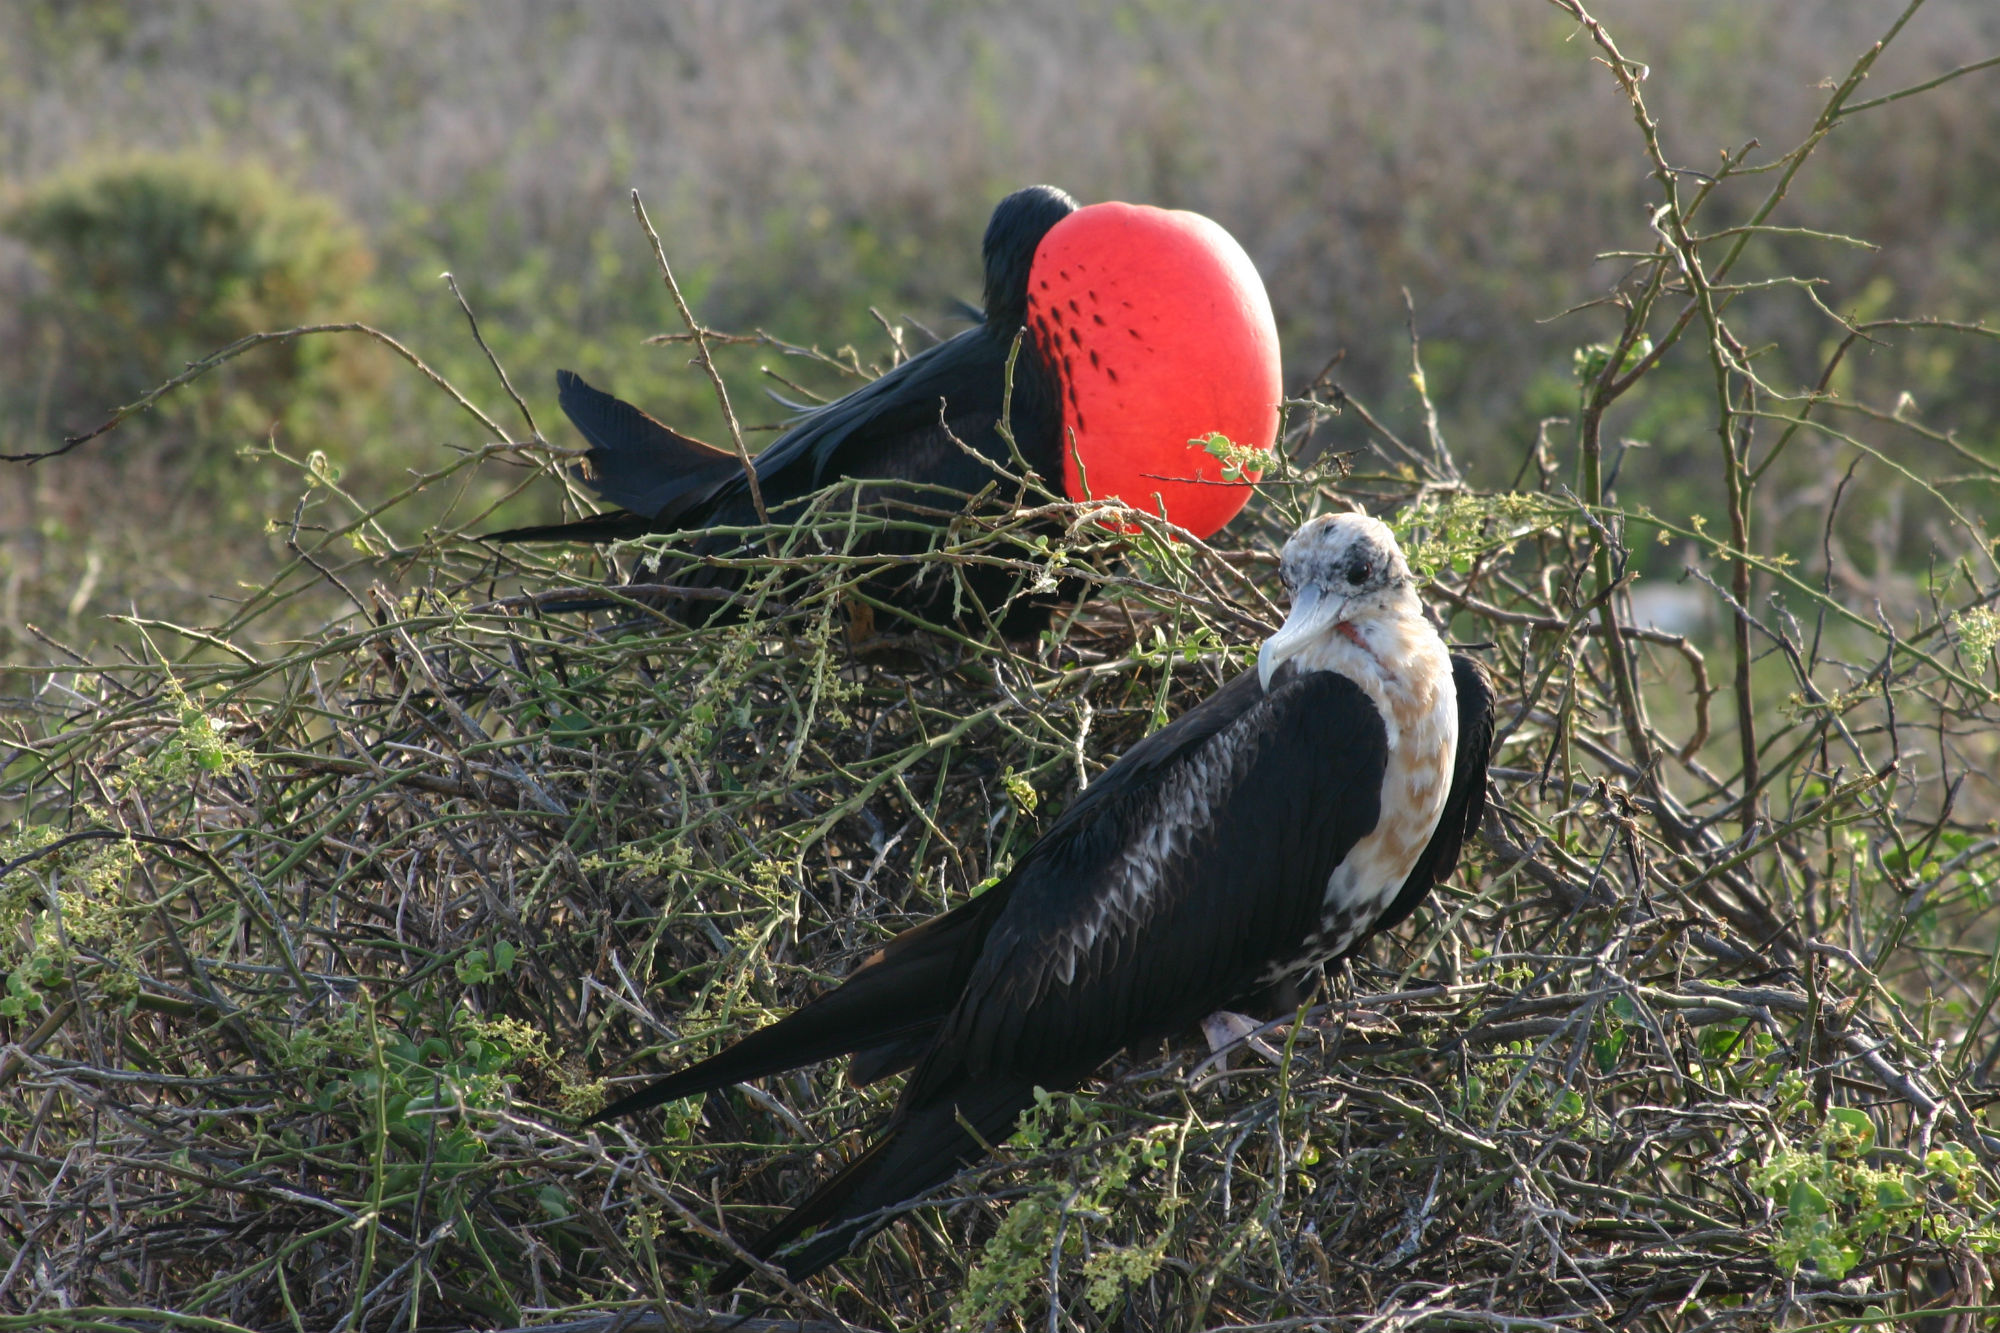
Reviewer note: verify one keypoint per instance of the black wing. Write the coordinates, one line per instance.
(1141, 766)
(900, 427)
(964, 369)
(923, 1148)
(890, 1008)
(1251, 800)
(654, 474)
(969, 371)
(1174, 896)
(637, 463)
(902, 990)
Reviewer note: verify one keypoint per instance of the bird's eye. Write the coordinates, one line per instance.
(1357, 573)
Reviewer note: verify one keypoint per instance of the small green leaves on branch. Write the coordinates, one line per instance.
(1240, 462)
(1591, 360)
(1978, 634)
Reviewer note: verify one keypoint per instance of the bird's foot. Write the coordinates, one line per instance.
(1226, 1030)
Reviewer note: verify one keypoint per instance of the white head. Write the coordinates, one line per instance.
(1345, 572)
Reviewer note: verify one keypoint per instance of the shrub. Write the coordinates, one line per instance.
(154, 261)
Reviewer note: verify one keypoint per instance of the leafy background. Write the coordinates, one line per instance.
(805, 162)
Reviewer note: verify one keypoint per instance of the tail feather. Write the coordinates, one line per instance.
(781, 1046)
(892, 1002)
(872, 1064)
(822, 1207)
(612, 527)
(654, 474)
(638, 464)
(924, 1150)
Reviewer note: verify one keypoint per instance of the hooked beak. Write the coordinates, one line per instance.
(1313, 615)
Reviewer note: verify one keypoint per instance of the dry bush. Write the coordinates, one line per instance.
(316, 953)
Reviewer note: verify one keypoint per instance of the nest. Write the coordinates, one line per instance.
(318, 952)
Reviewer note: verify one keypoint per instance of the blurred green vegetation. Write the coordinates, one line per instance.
(156, 261)
(805, 163)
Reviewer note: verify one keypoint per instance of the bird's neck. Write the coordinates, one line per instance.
(1395, 656)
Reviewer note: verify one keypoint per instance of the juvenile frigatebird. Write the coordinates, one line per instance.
(1147, 329)
(1274, 827)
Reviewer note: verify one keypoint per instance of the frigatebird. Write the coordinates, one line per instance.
(1274, 827)
(1146, 330)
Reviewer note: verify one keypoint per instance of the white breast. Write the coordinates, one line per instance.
(1406, 672)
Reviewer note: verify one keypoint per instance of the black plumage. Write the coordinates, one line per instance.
(1239, 814)
(897, 428)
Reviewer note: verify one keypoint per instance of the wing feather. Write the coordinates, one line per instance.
(1185, 880)
(889, 428)
(1189, 867)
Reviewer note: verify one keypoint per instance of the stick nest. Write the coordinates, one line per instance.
(318, 951)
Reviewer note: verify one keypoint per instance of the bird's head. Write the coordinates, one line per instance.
(1344, 572)
(1012, 235)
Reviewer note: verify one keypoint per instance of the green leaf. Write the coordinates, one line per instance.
(1854, 1123)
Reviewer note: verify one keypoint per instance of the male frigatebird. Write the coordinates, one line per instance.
(1146, 329)
(1273, 827)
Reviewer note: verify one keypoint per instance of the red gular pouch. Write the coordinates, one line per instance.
(1159, 333)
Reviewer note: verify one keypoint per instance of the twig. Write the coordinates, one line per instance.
(492, 360)
(705, 361)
